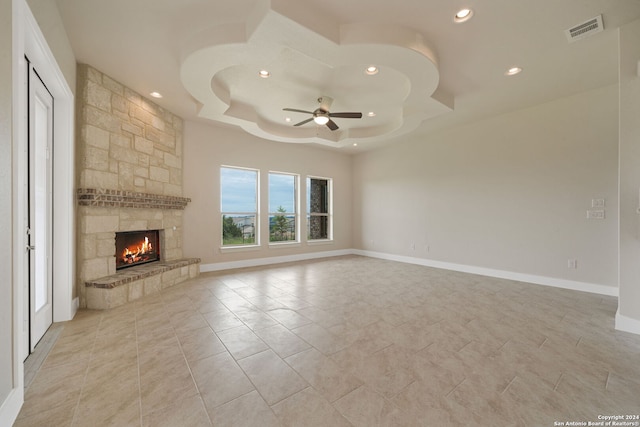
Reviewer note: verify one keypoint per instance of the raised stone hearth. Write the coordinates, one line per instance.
(135, 282)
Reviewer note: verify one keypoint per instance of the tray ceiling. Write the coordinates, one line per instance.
(221, 70)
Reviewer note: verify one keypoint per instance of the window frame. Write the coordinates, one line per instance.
(296, 206)
(256, 214)
(328, 214)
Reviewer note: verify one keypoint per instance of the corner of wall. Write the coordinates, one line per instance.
(627, 324)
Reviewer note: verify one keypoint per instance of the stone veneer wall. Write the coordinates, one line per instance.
(128, 148)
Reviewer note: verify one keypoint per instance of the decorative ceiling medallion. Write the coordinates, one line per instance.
(309, 56)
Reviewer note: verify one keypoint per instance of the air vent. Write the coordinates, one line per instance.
(587, 28)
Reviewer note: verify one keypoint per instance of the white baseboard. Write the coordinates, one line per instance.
(10, 408)
(257, 262)
(501, 274)
(75, 306)
(627, 324)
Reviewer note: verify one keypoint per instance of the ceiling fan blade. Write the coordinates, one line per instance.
(297, 111)
(346, 115)
(303, 122)
(332, 125)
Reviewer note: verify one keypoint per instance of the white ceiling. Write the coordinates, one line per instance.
(204, 57)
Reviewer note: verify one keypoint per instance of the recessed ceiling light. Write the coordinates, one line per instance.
(156, 94)
(513, 71)
(287, 119)
(371, 70)
(264, 74)
(463, 15)
(371, 114)
(355, 144)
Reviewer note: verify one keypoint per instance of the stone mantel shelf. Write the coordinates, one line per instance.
(128, 199)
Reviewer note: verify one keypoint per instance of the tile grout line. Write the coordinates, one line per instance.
(256, 388)
(454, 388)
(399, 391)
(86, 373)
(509, 385)
(555, 387)
(135, 317)
(233, 359)
(195, 383)
(464, 346)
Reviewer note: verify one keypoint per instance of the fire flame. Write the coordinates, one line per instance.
(135, 254)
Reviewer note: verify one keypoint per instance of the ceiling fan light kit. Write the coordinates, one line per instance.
(321, 116)
(321, 119)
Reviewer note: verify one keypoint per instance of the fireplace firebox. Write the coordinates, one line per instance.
(137, 247)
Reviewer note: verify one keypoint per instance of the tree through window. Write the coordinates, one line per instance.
(283, 207)
(239, 206)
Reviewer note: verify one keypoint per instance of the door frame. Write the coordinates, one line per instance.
(30, 42)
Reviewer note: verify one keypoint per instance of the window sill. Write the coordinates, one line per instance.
(277, 245)
(244, 248)
(320, 242)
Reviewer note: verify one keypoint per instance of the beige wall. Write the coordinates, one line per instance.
(507, 193)
(207, 147)
(6, 259)
(629, 171)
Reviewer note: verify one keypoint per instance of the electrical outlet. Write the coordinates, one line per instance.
(413, 246)
(595, 214)
(572, 263)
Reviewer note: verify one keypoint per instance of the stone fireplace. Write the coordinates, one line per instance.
(129, 162)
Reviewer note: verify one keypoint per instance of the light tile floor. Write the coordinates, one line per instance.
(347, 341)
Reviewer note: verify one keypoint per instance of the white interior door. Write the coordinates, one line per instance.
(39, 231)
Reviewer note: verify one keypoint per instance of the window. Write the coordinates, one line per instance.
(239, 206)
(319, 209)
(283, 203)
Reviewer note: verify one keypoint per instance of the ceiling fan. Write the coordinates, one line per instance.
(322, 116)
